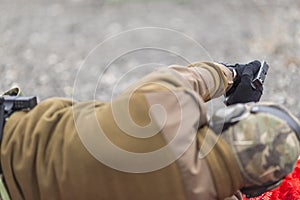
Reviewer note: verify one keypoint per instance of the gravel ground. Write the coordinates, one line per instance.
(78, 48)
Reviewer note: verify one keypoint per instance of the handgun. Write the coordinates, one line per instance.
(15, 103)
(10, 104)
(260, 76)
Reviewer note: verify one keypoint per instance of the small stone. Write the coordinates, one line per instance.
(52, 59)
(68, 90)
(28, 54)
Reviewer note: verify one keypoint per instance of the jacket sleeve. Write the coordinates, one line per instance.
(185, 88)
(209, 80)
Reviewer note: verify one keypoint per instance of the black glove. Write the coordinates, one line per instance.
(242, 91)
(238, 68)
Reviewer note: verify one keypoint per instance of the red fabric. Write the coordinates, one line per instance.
(288, 190)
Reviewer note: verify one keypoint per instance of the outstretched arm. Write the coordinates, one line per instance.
(209, 80)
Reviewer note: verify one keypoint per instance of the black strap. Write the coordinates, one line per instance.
(2, 120)
(255, 191)
(280, 113)
(2, 117)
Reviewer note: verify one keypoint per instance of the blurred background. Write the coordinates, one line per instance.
(94, 48)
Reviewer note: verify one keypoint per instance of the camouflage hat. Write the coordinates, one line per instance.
(265, 145)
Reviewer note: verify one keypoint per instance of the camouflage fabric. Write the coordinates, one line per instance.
(3, 191)
(265, 147)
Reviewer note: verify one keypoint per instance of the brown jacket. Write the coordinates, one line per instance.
(142, 145)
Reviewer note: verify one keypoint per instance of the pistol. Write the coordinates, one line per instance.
(260, 76)
(16, 103)
(10, 104)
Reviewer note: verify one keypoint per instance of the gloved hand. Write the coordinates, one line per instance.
(239, 68)
(242, 91)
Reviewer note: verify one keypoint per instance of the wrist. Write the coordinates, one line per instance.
(234, 72)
